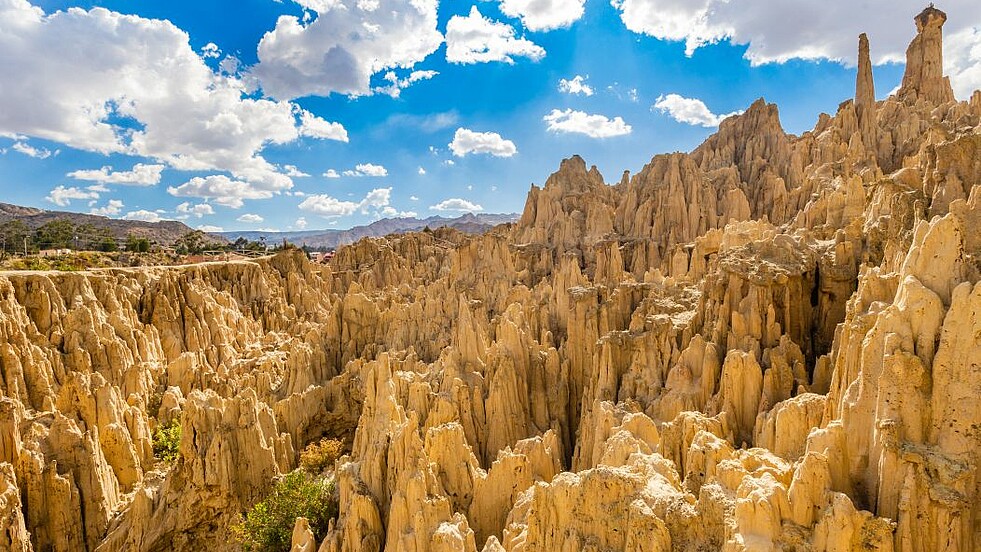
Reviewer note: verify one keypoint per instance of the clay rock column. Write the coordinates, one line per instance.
(924, 77)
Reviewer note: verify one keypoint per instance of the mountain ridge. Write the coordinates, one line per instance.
(165, 231)
(329, 238)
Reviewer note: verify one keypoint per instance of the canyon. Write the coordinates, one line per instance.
(772, 342)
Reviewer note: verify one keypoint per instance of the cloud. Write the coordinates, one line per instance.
(210, 228)
(82, 78)
(142, 215)
(962, 61)
(331, 173)
(801, 29)
(690, 111)
(367, 169)
(62, 196)
(221, 189)
(397, 85)
(29, 150)
(467, 141)
(110, 209)
(544, 15)
(413, 198)
(300, 223)
(379, 197)
(140, 175)
(421, 171)
(315, 127)
(210, 50)
(344, 45)
(294, 172)
(250, 218)
(476, 39)
(576, 86)
(456, 204)
(327, 206)
(199, 210)
(579, 122)
(377, 202)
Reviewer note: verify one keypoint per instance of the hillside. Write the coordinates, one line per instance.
(769, 343)
(470, 223)
(164, 232)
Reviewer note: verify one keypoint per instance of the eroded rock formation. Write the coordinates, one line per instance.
(770, 343)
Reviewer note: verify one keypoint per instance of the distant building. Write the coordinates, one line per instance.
(53, 252)
(322, 257)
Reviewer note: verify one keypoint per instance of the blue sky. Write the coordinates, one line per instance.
(211, 112)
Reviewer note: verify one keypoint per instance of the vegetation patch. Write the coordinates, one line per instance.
(318, 457)
(167, 441)
(268, 526)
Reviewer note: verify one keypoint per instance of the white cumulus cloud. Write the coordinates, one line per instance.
(142, 215)
(327, 206)
(576, 85)
(70, 76)
(579, 122)
(112, 208)
(377, 203)
(140, 175)
(315, 127)
(346, 43)
(803, 29)
(544, 15)
(456, 204)
(250, 218)
(293, 171)
(62, 196)
(396, 85)
(300, 223)
(690, 111)
(331, 173)
(221, 189)
(31, 151)
(367, 169)
(199, 210)
(466, 141)
(476, 39)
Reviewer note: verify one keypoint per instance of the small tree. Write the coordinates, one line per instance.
(57, 234)
(12, 235)
(167, 441)
(192, 243)
(268, 526)
(108, 244)
(320, 456)
(136, 244)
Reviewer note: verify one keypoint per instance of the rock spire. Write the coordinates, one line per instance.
(924, 77)
(865, 94)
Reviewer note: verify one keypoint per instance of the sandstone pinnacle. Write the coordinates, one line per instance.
(924, 78)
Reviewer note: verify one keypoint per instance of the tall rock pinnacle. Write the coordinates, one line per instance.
(864, 86)
(924, 77)
(865, 93)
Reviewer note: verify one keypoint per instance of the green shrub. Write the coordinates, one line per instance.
(167, 441)
(320, 456)
(268, 526)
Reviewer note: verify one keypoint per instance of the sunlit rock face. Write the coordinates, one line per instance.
(770, 343)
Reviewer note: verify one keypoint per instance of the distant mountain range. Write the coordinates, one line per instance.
(472, 223)
(164, 232)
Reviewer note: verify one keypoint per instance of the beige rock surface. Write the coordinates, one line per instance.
(770, 343)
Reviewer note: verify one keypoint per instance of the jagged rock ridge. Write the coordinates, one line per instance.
(770, 343)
